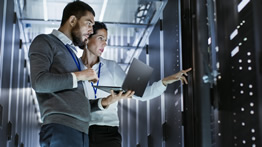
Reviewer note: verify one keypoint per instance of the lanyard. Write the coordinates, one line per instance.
(74, 57)
(95, 89)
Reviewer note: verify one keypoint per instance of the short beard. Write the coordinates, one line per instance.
(76, 36)
(82, 46)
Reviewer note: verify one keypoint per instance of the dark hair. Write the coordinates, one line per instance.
(76, 8)
(98, 25)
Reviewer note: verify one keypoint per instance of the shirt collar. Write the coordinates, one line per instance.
(102, 60)
(96, 66)
(61, 36)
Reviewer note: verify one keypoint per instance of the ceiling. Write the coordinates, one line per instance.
(129, 22)
(115, 10)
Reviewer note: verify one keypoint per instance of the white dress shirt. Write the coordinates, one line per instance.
(111, 74)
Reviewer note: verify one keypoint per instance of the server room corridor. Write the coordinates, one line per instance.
(221, 40)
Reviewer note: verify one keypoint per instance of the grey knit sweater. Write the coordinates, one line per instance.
(51, 65)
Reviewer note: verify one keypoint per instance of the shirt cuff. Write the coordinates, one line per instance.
(74, 80)
(100, 105)
(161, 86)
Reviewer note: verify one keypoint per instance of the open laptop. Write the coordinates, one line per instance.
(136, 79)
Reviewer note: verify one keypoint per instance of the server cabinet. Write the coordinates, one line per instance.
(19, 122)
(239, 105)
(158, 122)
(229, 35)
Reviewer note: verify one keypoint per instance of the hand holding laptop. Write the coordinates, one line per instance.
(136, 79)
(116, 97)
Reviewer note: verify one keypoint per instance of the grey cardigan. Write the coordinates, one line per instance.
(51, 65)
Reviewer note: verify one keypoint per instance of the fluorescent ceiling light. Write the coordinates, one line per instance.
(103, 10)
(45, 10)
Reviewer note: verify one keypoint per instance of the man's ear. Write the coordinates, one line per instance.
(72, 20)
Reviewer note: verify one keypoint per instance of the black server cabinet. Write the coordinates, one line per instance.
(226, 37)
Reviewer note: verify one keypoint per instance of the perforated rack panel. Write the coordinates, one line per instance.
(237, 118)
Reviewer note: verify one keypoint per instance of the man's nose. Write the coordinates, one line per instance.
(91, 31)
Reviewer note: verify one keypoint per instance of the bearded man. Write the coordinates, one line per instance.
(57, 77)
